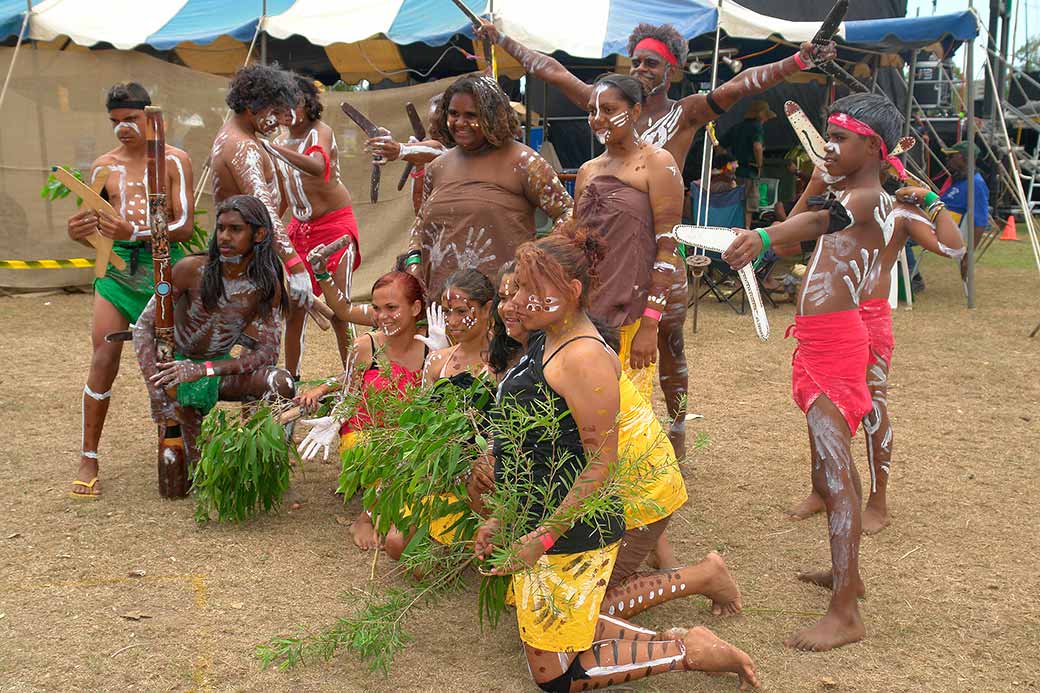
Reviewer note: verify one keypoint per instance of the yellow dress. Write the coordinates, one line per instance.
(642, 378)
(646, 459)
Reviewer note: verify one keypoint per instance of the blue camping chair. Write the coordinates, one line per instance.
(726, 209)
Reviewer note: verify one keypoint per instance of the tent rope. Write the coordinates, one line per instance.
(14, 56)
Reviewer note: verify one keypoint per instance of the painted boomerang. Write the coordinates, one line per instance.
(718, 239)
(94, 201)
(489, 56)
(372, 130)
(420, 134)
(813, 142)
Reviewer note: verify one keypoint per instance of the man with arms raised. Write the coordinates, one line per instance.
(658, 53)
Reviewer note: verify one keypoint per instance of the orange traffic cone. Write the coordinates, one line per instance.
(1009, 230)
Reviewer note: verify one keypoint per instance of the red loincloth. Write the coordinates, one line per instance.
(877, 317)
(329, 227)
(831, 359)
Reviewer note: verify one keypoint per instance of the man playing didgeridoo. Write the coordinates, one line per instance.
(479, 197)
(561, 563)
(921, 215)
(231, 296)
(830, 362)
(121, 295)
(658, 53)
(260, 96)
(308, 166)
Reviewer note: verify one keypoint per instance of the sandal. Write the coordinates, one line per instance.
(91, 493)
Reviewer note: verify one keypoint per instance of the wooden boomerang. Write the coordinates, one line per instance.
(372, 130)
(718, 239)
(813, 142)
(420, 134)
(489, 56)
(94, 201)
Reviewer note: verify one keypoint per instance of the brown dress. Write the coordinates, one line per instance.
(471, 225)
(622, 217)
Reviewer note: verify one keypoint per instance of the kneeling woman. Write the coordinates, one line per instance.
(389, 358)
(561, 566)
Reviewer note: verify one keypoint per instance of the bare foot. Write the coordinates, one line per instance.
(874, 520)
(708, 653)
(812, 504)
(830, 632)
(722, 589)
(88, 471)
(364, 532)
(825, 579)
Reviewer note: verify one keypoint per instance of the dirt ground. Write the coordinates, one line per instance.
(952, 585)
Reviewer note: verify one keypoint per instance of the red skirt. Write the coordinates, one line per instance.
(877, 317)
(831, 359)
(306, 235)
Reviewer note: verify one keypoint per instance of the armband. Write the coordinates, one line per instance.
(209, 369)
(930, 199)
(654, 315)
(322, 276)
(547, 540)
(414, 258)
(418, 172)
(713, 104)
(293, 261)
(766, 242)
(800, 61)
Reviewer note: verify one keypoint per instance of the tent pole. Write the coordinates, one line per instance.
(704, 196)
(969, 213)
(910, 84)
(263, 34)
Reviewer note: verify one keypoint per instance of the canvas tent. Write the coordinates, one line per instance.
(57, 85)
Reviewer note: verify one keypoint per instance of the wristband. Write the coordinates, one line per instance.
(209, 369)
(547, 540)
(766, 242)
(322, 276)
(293, 261)
(930, 199)
(413, 260)
(418, 172)
(654, 315)
(800, 61)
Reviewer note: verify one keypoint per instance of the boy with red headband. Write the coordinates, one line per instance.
(658, 54)
(833, 350)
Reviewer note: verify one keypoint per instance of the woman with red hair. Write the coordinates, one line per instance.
(387, 358)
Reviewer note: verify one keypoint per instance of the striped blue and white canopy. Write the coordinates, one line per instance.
(589, 28)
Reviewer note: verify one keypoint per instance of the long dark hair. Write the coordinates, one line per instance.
(502, 349)
(474, 282)
(264, 270)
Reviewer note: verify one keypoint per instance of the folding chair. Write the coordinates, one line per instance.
(725, 209)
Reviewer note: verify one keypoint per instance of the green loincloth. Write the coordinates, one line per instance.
(129, 293)
(204, 392)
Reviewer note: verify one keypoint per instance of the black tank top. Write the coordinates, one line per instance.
(554, 461)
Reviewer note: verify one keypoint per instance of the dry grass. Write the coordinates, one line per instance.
(952, 603)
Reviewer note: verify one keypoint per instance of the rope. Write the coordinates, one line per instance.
(14, 57)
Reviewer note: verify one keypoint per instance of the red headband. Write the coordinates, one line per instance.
(844, 120)
(658, 47)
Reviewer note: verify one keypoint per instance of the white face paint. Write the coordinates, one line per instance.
(832, 148)
(132, 127)
(294, 118)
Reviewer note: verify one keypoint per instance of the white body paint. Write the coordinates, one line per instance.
(664, 129)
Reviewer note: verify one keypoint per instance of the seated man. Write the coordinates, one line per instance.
(232, 296)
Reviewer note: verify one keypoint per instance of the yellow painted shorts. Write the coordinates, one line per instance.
(642, 378)
(558, 598)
